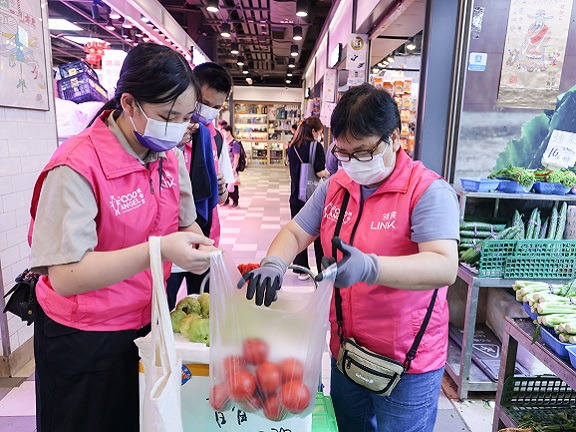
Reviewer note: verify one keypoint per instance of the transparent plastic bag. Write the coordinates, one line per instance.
(265, 360)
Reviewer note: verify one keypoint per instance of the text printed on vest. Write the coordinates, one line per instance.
(127, 202)
(387, 222)
(331, 212)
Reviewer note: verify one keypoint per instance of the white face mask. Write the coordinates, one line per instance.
(160, 135)
(370, 172)
(204, 114)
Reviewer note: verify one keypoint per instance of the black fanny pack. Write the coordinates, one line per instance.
(22, 301)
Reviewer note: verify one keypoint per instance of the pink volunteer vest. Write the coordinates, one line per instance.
(131, 207)
(383, 319)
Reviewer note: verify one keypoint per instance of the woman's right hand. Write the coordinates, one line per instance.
(181, 248)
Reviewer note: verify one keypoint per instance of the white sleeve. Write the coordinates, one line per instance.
(225, 166)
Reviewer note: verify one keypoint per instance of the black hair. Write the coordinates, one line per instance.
(365, 111)
(222, 123)
(213, 76)
(304, 131)
(294, 126)
(228, 128)
(152, 74)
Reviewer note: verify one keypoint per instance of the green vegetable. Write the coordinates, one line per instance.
(531, 225)
(554, 308)
(553, 224)
(518, 222)
(560, 420)
(563, 176)
(523, 176)
(483, 226)
(561, 221)
(473, 254)
(543, 229)
(477, 234)
(553, 319)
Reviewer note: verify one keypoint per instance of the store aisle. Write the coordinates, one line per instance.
(247, 231)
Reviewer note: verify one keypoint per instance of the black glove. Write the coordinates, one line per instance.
(264, 281)
(355, 266)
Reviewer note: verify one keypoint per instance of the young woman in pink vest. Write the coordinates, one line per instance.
(397, 244)
(103, 193)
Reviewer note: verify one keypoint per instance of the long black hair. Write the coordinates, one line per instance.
(152, 74)
(304, 131)
(365, 111)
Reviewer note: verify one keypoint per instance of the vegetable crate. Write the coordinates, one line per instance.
(528, 259)
(81, 88)
(536, 397)
(76, 67)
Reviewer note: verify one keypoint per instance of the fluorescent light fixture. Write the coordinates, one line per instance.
(301, 8)
(82, 39)
(212, 6)
(297, 33)
(62, 24)
(240, 61)
(115, 15)
(144, 19)
(225, 30)
(294, 50)
(234, 48)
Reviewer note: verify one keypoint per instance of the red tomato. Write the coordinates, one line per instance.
(242, 385)
(219, 396)
(233, 364)
(268, 377)
(291, 369)
(252, 403)
(272, 408)
(255, 351)
(295, 396)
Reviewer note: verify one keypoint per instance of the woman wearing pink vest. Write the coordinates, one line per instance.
(397, 244)
(94, 206)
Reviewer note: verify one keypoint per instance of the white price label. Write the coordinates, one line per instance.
(561, 150)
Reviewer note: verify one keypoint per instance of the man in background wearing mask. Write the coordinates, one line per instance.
(209, 166)
(396, 249)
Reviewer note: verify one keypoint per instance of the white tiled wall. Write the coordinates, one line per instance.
(27, 141)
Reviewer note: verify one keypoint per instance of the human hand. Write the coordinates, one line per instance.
(355, 266)
(264, 281)
(187, 250)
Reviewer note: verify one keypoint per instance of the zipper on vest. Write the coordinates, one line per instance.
(151, 185)
(357, 220)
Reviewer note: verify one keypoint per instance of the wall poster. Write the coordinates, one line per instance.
(356, 59)
(534, 53)
(22, 56)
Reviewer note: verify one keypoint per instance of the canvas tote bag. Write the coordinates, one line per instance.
(160, 409)
(308, 181)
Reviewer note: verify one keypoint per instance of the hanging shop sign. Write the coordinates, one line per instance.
(561, 150)
(329, 85)
(356, 60)
(111, 65)
(335, 55)
(534, 53)
(94, 52)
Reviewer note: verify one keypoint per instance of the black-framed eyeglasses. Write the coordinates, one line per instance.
(359, 155)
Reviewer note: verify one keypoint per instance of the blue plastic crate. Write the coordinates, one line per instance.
(510, 186)
(479, 184)
(81, 88)
(533, 316)
(551, 339)
(550, 188)
(572, 354)
(75, 68)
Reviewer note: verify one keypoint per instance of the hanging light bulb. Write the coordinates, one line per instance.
(297, 33)
(390, 58)
(245, 71)
(212, 6)
(225, 30)
(249, 80)
(146, 38)
(125, 32)
(127, 24)
(110, 25)
(289, 73)
(294, 50)
(144, 19)
(301, 8)
(114, 15)
(292, 63)
(288, 80)
(234, 48)
(411, 45)
(375, 70)
(240, 61)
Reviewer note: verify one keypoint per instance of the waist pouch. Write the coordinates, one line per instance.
(376, 373)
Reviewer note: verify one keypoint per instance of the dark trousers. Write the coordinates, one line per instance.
(234, 196)
(85, 380)
(302, 258)
(193, 283)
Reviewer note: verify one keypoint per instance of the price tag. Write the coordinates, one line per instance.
(561, 150)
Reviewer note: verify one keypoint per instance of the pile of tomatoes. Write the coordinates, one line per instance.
(253, 382)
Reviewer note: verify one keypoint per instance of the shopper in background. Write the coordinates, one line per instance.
(234, 152)
(307, 134)
(332, 162)
(398, 243)
(94, 206)
(221, 124)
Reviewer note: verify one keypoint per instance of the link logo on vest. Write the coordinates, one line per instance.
(387, 222)
(127, 202)
(167, 180)
(331, 212)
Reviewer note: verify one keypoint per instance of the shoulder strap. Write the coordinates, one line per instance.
(312, 153)
(218, 140)
(338, 297)
(298, 154)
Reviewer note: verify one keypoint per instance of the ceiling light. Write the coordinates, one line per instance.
(125, 32)
(375, 70)
(249, 80)
(245, 71)
(234, 48)
(297, 33)
(127, 24)
(225, 30)
(292, 63)
(390, 58)
(110, 25)
(212, 6)
(82, 40)
(139, 34)
(146, 38)
(301, 8)
(144, 19)
(114, 15)
(294, 50)
(156, 29)
(289, 73)
(240, 61)
(62, 24)
(411, 45)
(95, 12)
(288, 80)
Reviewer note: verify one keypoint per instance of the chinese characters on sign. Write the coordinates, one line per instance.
(356, 59)
(534, 53)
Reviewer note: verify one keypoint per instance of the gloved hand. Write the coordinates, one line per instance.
(264, 281)
(355, 266)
